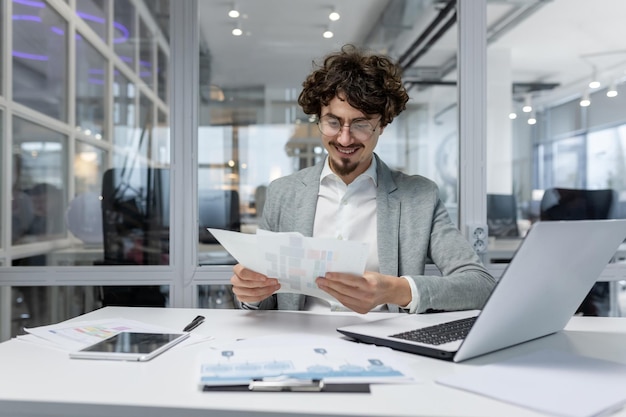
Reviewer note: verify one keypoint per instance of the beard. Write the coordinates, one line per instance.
(344, 167)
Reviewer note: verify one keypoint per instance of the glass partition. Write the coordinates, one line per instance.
(252, 130)
(95, 13)
(555, 121)
(146, 56)
(83, 193)
(124, 110)
(41, 180)
(39, 64)
(162, 74)
(91, 80)
(125, 31)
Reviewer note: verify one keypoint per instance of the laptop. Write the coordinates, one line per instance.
(550, 274)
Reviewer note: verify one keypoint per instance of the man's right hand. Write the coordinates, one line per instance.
(250, 286)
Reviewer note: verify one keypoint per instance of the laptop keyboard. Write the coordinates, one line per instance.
(439, 333)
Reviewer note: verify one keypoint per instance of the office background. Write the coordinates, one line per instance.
(130, 126)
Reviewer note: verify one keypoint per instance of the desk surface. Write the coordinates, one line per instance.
(39, 381)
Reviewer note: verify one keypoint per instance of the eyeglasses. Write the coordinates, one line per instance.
(360, 129)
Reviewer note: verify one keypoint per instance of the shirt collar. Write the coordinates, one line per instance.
(369, 172)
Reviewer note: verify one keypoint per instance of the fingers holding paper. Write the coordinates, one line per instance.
(363, 293)
(250, 286)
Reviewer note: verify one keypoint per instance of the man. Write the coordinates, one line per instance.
(354, 195)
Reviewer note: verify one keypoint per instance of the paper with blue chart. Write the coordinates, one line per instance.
(294, 259)
(302, 357)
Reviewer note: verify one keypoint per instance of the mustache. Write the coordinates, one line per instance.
(338, 145)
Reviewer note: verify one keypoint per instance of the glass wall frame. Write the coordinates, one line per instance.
(86, 152)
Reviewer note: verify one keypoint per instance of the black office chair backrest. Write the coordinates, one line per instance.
(502, 215)
(577, 204)
(135, 226)
(135, 212)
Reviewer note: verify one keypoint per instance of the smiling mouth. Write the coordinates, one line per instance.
(345, 151)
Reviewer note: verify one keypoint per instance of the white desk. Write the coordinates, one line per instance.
(36, 381)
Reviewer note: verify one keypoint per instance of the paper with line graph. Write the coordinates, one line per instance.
(294, 259)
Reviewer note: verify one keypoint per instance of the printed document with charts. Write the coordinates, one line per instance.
(302, 357)
(294, 259)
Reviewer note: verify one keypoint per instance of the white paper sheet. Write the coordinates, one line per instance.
(558, 383)
(301, 356)
(294, 259)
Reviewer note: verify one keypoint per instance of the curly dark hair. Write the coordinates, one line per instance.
(369, 82)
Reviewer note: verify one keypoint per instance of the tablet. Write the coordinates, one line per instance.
(130, 346)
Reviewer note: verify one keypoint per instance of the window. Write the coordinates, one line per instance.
(539, 136)
(41, 182)
(40, 59)
(91, 80)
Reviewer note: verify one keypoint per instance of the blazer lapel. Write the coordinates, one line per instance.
(388, 220)
(306, 197)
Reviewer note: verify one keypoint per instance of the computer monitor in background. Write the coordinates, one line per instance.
(218, 209)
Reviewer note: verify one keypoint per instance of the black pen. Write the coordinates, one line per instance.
(194, 323)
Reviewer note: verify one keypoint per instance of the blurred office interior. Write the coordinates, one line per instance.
(128, 127)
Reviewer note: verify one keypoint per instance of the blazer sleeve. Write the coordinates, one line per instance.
(465, 283)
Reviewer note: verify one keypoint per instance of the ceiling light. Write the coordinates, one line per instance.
(233, 12)
(594, 84)
(612, 91)
(532, 119)
(334, 15)
(512, 115)
(328, 34)
(527, 108)
(237, 31)
(586, 100)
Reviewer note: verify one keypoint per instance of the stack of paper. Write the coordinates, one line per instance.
(301, 357)
(75, 335)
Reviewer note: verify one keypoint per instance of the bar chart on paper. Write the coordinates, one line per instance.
(294, 259)
(302, 357)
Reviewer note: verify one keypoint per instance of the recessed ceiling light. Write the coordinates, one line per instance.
(233, 12)
(612, 91)
(586, 100)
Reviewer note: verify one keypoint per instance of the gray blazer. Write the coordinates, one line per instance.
(413, 227)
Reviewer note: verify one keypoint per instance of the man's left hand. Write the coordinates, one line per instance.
(363, 293)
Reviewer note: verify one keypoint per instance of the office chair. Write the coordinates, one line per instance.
(502, 215)
(135, 229)
(580, 204)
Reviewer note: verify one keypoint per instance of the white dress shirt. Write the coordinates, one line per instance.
(349, 212)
